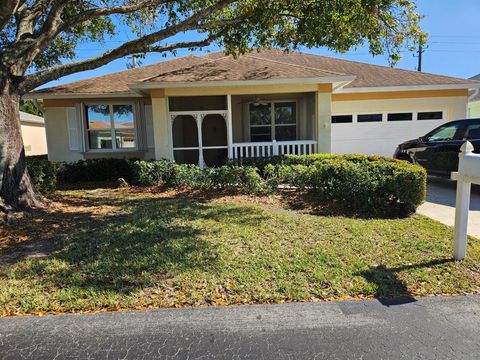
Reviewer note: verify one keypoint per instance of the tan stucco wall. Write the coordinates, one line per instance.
(161, 128)
(315, 106)
(474, 110)
(34, 138)
(57, 135)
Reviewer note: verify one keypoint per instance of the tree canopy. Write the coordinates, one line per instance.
(39, 38)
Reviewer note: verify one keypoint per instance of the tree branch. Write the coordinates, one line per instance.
(142, 44)
(35, 80)
(114, 10)
(7, 10)
(48, 32)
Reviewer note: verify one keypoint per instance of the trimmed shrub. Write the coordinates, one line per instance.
(153, 172)
(244, 179)
(97, 170)
(43, 173)
(368, 184)
(171, 175)
(361, 184)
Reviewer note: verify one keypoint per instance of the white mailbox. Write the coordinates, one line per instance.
(468, 174)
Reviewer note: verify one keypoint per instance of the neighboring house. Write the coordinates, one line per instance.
(33, 134)
(205, 109)
(474, 101)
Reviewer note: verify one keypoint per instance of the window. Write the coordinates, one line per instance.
(431, 115)
(273, 121)
(106, 122)
(472, 132)
(342, 119)
(444, 133)
(400, 117)
(370, 118)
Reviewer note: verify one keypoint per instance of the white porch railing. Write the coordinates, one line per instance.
(272, 148)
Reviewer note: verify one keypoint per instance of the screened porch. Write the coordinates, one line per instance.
(209, 130)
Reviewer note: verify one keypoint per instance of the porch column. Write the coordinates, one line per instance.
(161, 125)
(323, 115)
(229, 126)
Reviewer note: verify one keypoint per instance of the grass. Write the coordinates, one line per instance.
(124, 249)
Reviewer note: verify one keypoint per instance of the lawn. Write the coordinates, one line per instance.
(111, 249)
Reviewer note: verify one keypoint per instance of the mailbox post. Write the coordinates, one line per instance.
(468, 173)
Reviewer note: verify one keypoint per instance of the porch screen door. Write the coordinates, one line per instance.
(200, 138)
(185, 139)
(214, 140)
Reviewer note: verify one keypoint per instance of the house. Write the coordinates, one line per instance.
(205, 109)
(33, 134)
(474, 101)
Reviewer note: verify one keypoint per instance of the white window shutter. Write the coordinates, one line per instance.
(74, 132)
(149, 126)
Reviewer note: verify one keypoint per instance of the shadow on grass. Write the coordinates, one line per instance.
(308, 202)
(156, 241)
(391, 290)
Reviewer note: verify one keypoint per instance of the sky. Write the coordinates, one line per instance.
(453, 44)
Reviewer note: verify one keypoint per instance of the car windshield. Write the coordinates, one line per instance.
(444, 133)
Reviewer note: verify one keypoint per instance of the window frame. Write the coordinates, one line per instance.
(464, 128)
(457, 136)
(401, 119)
(114, 148)
(353, 116)
(431, 112)
(273, 124)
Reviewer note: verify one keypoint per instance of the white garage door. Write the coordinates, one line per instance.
(380, 134)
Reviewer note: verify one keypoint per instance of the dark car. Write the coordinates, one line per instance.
(438, 150)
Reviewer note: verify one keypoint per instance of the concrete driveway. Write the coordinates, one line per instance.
(440, 204)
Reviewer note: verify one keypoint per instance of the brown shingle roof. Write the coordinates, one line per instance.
(118, 82)
(367, 75)
(246, 67)
(269, 64)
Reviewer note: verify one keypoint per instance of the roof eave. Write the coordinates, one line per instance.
(406, 88)
(38, 95)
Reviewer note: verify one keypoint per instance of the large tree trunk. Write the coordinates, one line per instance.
(16, 191)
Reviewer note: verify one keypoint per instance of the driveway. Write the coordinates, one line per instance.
(428, 328)
(440, 204)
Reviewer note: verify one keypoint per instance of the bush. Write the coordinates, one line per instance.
(171, 175)
(367, 184)
(360, 183)
(152, 172)
(43, 173)
(97, 170)
(244, 179)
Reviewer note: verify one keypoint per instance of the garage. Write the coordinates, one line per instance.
(377, 127)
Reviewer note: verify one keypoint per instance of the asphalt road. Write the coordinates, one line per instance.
(429, 328)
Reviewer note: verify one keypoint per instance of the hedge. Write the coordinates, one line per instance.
(360, 183)
(108, 169)
(43, 173)
(167, 173)
(368, 184)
